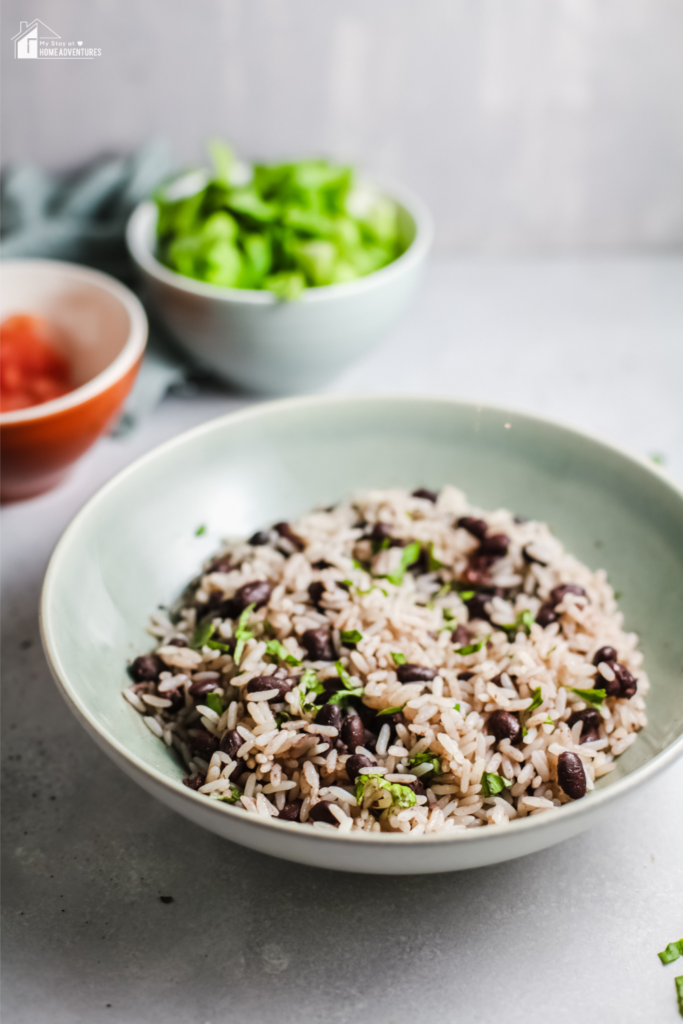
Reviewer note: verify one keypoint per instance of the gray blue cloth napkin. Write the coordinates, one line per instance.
(81, 217)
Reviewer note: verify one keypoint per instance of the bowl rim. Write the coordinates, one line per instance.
(574, 811)
(133, 347)
(138, 225)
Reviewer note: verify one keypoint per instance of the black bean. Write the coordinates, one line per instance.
(329, 714)
(238, 771)
(410, 673)
(422, 492)
(504, 725)
(612, 687)
(321, 812)
(322, 564)
(477, 527)
(259, 684)
(369, 741)
(316, 591)
(531, 559)
(494, 546)
(231, 743)
(546, 615)
(627, 683)
(590, 724)
(286, 531)
(318, 644)
(461, 635)
(354, 765)
(193, 781)
(178, 641)
(606, 654)
(380, 532)
(476, 606)
(465, 675)
(571, 775)
(145, 668)
(200, 687)
(256, 592)
(291, 811)
(259, 538)
(353, 732)
(557, 594)
(204, 744)
(417, 787)
(221, 563)
(176, 697)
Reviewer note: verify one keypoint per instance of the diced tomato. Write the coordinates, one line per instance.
(32, 371)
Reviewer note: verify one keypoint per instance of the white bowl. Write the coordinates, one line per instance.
(252, 339)
(134, 547)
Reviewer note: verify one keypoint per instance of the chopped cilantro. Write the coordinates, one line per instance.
(547, 721)
(232, 798)
(202, 635)
(282, 716)
(672, 952)
(213, 701)
(309, 684)
(552, 649)
(216, 645)
(278, 650)
(466, 595)
(391, 711)
(344, 697)
(349, 583)
(524, 731)
(590, 696)
(658, 458)
(200, 530)
(448, 617)
(524, 620)
(470, 648)
(426, 757)
(398, 658)
(679, 992)
(401, 796)
(456, 707)
(536, 702)
(357, 565)
(344, 675)
(350, 636)
(492, 784)
(410, 554)
(433, 564)
(242, 634)
(370, 589)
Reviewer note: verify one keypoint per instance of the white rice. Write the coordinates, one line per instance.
(288, 757)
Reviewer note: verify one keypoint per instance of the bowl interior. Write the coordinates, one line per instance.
(134, 546)
(91, 324)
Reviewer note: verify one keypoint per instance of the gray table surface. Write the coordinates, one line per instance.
(570, 934)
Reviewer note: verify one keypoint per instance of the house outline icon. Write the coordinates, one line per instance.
(27, 38)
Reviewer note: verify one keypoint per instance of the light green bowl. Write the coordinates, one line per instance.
(134, 547)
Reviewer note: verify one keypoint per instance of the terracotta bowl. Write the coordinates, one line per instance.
(101, 328)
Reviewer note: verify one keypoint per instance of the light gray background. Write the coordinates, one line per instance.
(527, 125)
(569, 935)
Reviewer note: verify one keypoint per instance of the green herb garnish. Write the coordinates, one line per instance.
(232, 798)
(594, 696)
(200, 530)
(278, 650)
(281, 717)
(292, 226)
(391, 711)
(470, 648)
(350, 636)
(679, 992)
(202, 635)
(410, 554)
(524, 620)
(433, 564)
(672, 952)
(346, 697)
(213, 701)
(242, 634)
(426, 758)
(536, 702)
(398, 658)
(401, 796)
(309, 683)
(492, 784)
(456, 707)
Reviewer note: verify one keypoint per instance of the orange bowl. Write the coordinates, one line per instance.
(101, 328)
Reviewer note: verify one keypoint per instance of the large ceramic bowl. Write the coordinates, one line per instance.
(101, 328)
(250, 338)
(134, 547)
